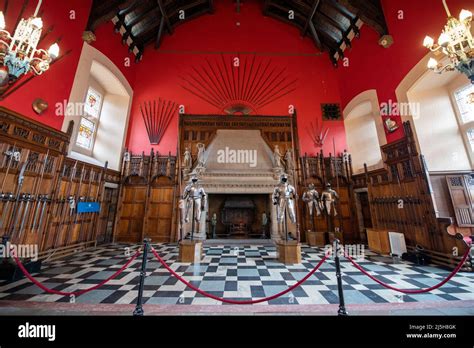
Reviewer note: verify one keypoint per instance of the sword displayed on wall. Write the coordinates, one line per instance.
(72, 207)
(66, 201)
(36, 189)
(18, 198)
(7, 198)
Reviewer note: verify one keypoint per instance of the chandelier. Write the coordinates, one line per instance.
(19, 54)
(456, 42)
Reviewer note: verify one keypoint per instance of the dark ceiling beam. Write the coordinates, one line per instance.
(309, 23)
(315, 36)
(160, 33)
(102, 12)
(165, 16)
(370, 12)
(311, 15)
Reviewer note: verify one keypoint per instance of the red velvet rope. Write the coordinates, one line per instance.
(75, 293)
(291, 288)
(409, 291)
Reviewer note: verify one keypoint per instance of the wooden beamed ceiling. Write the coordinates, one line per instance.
(331, 24)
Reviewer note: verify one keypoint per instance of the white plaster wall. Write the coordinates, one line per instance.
(111, 130)
(363, 143)
(438, 132)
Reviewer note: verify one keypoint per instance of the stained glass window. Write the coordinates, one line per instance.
(86, 133)
(93, 103)
(466, 109)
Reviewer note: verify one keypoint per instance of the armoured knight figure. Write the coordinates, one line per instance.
(192, 193)
(311, 198)
(284, 196)
(329, 198)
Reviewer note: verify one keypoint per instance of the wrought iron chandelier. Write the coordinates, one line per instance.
(19, 54)
(456, 42)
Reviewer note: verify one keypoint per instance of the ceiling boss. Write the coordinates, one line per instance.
(19, 54)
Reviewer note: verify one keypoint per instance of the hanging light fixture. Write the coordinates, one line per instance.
(456, 42)
(19, 54)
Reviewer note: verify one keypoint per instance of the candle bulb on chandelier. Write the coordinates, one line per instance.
(54, 51)
(2, 21)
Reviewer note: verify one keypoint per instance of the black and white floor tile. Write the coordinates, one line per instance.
(242, 273)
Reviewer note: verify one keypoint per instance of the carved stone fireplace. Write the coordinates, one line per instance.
(239, 215)
(232, 182)
(234, 156)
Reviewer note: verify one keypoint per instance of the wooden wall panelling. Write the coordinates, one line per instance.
(43, 216)
(402, 199)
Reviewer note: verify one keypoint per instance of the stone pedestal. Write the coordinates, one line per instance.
(289, 252)
(190, 251)
(316, 238)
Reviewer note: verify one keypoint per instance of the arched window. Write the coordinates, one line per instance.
(364, 131)
(105, 96)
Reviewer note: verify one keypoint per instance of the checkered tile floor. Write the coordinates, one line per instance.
(243, 273)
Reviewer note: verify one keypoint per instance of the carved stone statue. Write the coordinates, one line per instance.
(193, 193)
(290, 164)
(200, 156)
(311, 198)
(329, 199)
(284, 196)
(187, 158)
(277, 157)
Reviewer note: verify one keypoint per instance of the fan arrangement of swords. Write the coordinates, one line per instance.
(26, 213)
(157, 117)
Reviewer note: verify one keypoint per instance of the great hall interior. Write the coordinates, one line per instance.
(231, 144)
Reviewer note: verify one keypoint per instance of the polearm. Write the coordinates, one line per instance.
(88, 198)
(73, 207)
(21, 178)
(100, 188)
(336, 170)
(55, 206)
(66, 202)
(38, 199)
(7, 197)
(295, 178)
(32, 199)
(11, 157)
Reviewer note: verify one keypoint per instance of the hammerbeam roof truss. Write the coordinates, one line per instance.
(331, 24)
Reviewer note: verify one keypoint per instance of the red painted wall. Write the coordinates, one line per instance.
(55, 85)
(158, 75)
(374, 67)
(110, 44)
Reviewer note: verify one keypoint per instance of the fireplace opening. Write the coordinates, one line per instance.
(239, 216)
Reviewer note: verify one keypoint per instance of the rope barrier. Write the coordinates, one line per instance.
(75, 293)
(410, 291)
(202, 292)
